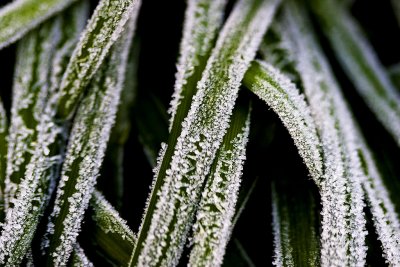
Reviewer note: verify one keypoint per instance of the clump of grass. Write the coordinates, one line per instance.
(79, 97)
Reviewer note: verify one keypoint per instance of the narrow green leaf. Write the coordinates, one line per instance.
(343, 221)
(89, 136)
(102, 31)
(183, 167)
(294, 227)
(111, 234)
(213, 222)
(242, 202)
(361, 64)
(394, 74)
(202, 21)
(270, 85)
(79, 259)
(35, 142)
(21, 16)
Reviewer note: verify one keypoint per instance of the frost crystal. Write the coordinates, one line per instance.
(103, 29)
(42, 160)
(173, 202)
(89, 136)
(202, 20)
(213, 225)
(21, 16)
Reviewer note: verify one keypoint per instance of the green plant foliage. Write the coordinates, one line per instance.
(282, 128)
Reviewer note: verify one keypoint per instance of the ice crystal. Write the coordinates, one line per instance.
(201, 135)
(213, 223)
(21, 16)
(86, 149)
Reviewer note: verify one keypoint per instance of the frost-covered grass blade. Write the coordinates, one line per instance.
(343, 234)
(110, 232)
(3, 156)
(294, 226)
(202, 21)
(361, 64)
(21, 16)
(38, 154)
(213, 223)
(184, 166)
(103, 29)
(89, 136)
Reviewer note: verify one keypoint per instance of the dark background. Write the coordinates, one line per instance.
(271, 153)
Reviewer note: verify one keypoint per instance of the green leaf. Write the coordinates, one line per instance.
(185, 162)
(394, 74)
(294, 226)
(3, 150)
(21, 16)
(110, 233)
(361, 64)
(202, 21)
(270, 85)
(103, 29)
(213, 224)
(89, 136)
(341, 191)
(34, 142)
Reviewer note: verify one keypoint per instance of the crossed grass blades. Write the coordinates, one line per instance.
(73, 91)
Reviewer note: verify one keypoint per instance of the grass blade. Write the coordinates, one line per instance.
(40, 165)
(394, 74)
(111, 234)
(294, 228)
(89, 136)
(343, 235)
(361, 64)
(202, 21)
(396, 9)
(184, 167)
(284, 98)
(213, 223)
(79, 259)
(103, 29)
(21, 16)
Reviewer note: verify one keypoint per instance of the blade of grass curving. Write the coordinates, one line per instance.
(343, 221)
(270, 85)
(79, 259)
(42, 160)
(111, 234)
(213, 222)
(102, 31)
(21, 16)
(202, 21)
(361, 64)
(89, 136)
(294, 227)
(242, 202)
(184, 166)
